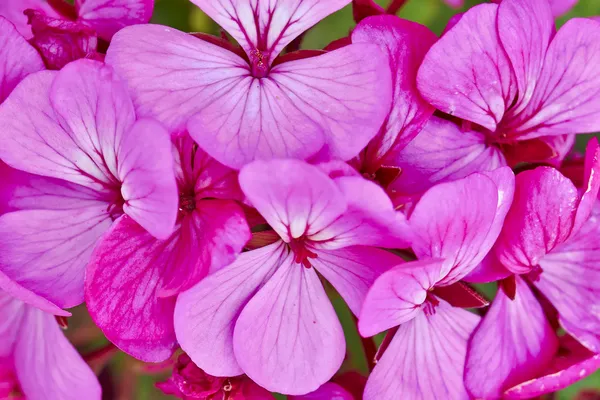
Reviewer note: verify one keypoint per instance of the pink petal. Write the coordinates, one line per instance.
(329, 391)
(459, 221)
(353, 270)
(560, 7)
(513, 343)
(591, 184)
(525, 29)
(17, 58)
(295, 198)
(566, 96)
(206, 314)
(490, 270)
(12, 10)
(571, 281)
(478, 85)
(11, 311)
(442, 152)
(46, 251)
(47, 365)
(288, 338)
(265, 26)
(426, 358)
(406, 43)
(109, 16)
(122, 280)
(397, 295)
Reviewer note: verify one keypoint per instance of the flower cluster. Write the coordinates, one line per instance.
(212, 194)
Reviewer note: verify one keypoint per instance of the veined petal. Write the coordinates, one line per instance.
(12, 10)
(288, 338)
(16, 291)
(206, 314)
(397, 295)
(109, 16)
(17, 58)
(406, 43)
(266, 25)
(426, 358)
(353, 270)
(47, 365)
(513, 344)
(477, 86)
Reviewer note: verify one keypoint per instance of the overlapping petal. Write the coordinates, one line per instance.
(109, 16)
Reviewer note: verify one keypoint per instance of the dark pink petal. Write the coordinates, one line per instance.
(525, 29)
(442, 152)
(591, 184)
(12, 10)
(288, 338)
(329, 391)
(513, 343)
(426, 358)
(17, 58)
(397, 295)
(47, 365)
(206, 314)
(571, 281)
(459, 221)
(109, 16)
(478, 85)
(566, 96)
(294, 197)
(122, 283)
(264, 26)
(46, 251)
(406, 43)
(353, 270)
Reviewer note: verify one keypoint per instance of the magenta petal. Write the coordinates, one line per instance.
(397, 295)
(206, 314)
(591, 182)
(47, 251)
(122, 281)
(459, 221)
(513, 343)
(12, 10)
(353, 270)
(17, 58)
(406, 43)
(288, 338)
(442, 152)
(109, 16)
(329, 391)
(11, 311)
(47, 365)
(560, 7)
(477, 86)
(426, 358)
(264, 26)
(489, 270)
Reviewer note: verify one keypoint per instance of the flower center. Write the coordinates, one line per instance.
(431, 302)
(187, 203)
(302, 253)
(259, 62)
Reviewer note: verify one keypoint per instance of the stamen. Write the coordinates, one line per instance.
(259, 61)
(431, 302)
(301, 253)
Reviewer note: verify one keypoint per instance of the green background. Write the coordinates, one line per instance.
(129, 378)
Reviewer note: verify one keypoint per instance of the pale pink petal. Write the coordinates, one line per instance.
(17, 58)
(294, 197)
(267, 26)
(48, 366)
(571, 281)
(442, 152)
(426, 358)
(397, 295)
(459, 221)
(406, 43)
(121, 285)
(14, 290)
(12, 10)
(370, 219)
(513, 343)
(353, 270)
(566, 96)
(329, 391)
(46, 251)
(288, 338)
(477, 86)
(109, 16)
(206, 314)
(11, 311)
(525, 29)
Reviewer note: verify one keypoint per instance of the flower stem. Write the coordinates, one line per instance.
(395, 6)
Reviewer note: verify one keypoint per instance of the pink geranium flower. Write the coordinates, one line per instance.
(245, 105)
(36, 359)
(455, 225)
(81, 159)
(267, 314)
(133, 277)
